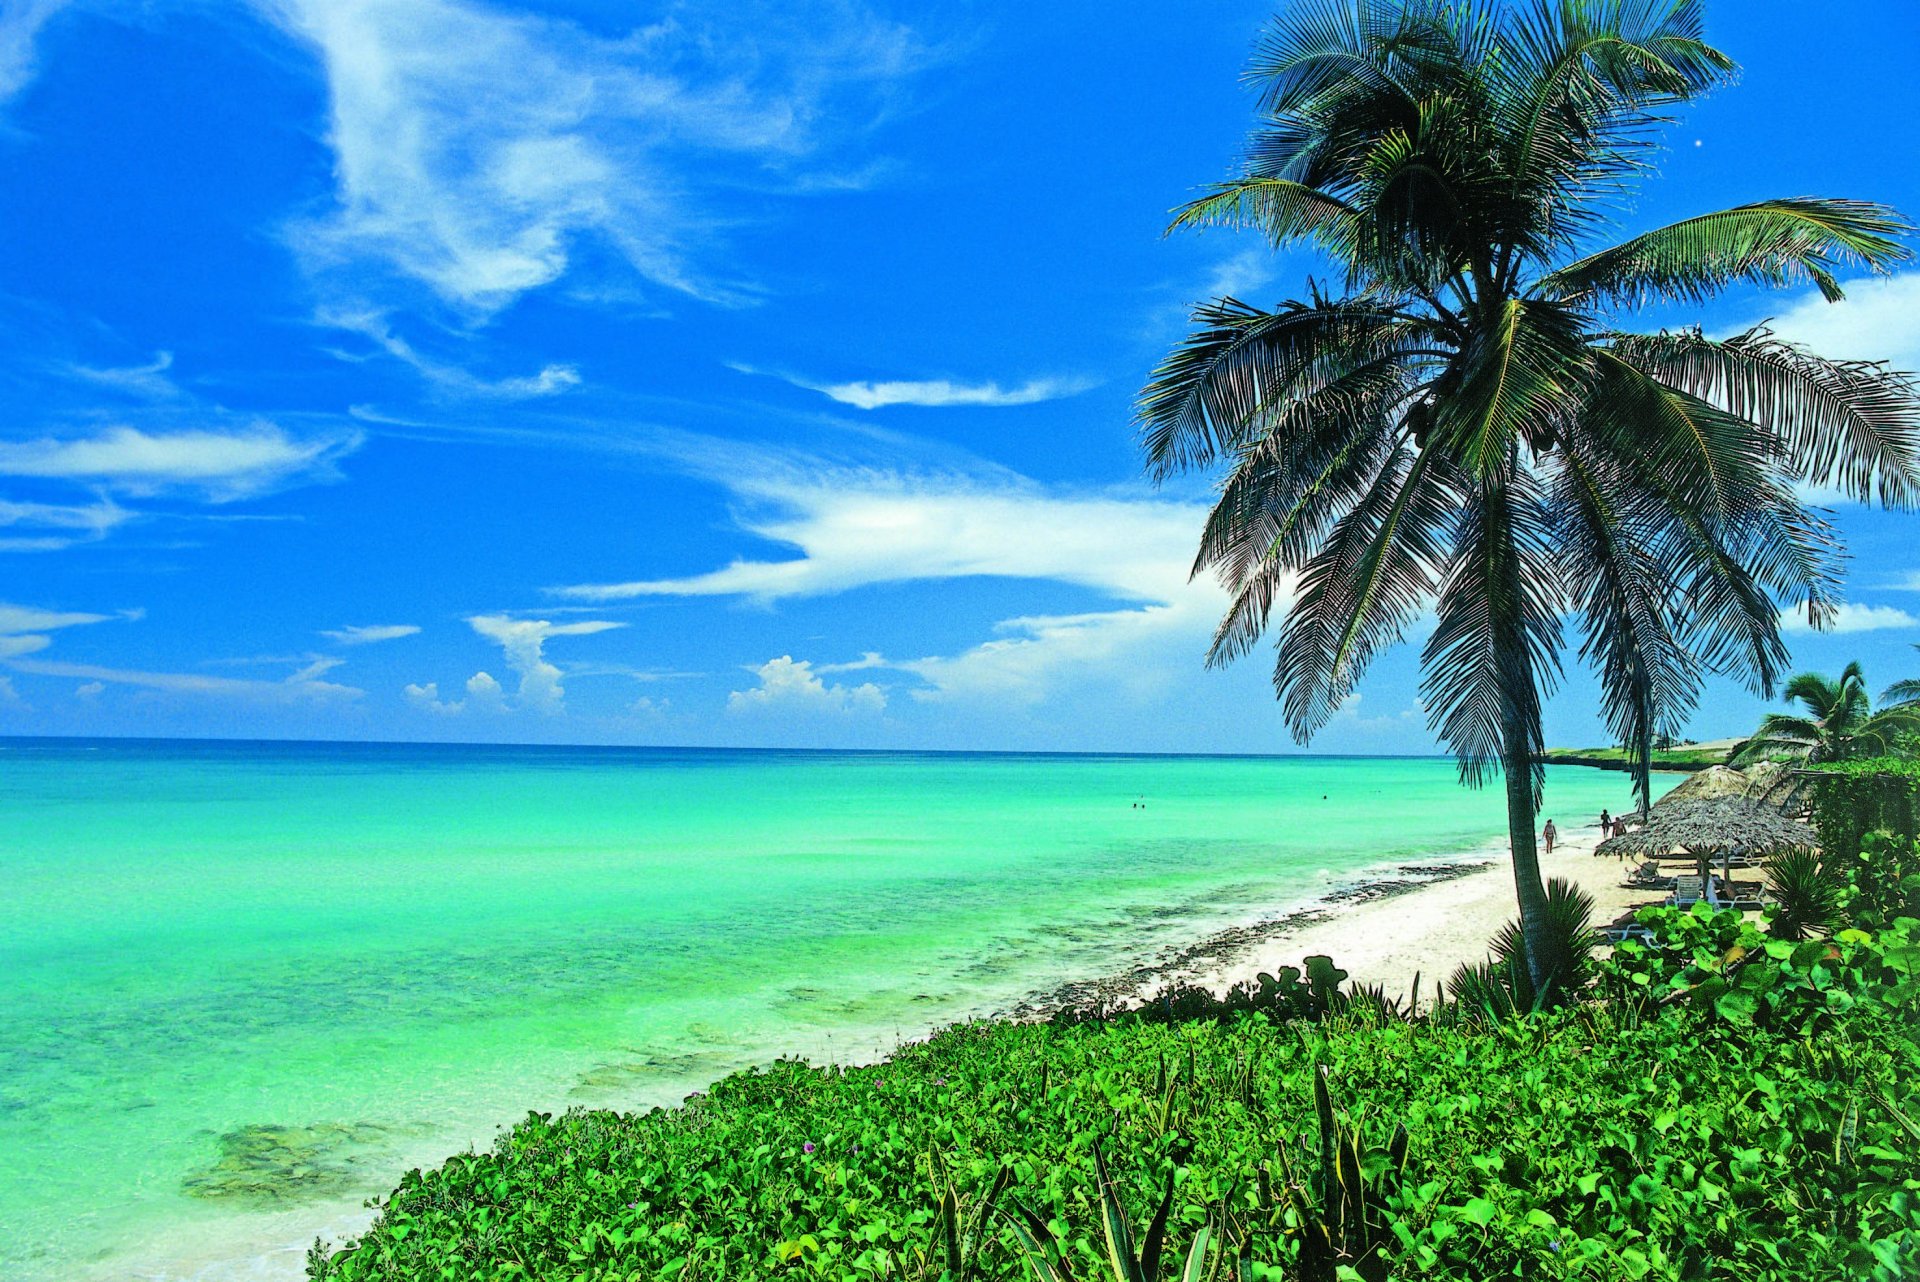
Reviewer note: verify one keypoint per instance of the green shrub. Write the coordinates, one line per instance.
(1730, 1107)
(1854, 798)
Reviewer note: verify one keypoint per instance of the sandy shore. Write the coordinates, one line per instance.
(1427, 928)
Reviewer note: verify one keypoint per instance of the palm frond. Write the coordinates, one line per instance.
(1493, 652)
(1206, 399)
(1517, 381)
(1649, 681)
(1850, 424)
(1772, 242)
(1279, 208)
(1364, 587)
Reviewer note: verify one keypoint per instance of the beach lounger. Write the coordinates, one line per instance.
(1647, 877)
(1631, 930)
(1687, 891)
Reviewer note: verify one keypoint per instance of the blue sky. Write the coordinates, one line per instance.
(748, 374)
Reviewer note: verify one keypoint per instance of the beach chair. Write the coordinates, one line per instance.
(1687, 891)
(1622, 931)
(1647, 877)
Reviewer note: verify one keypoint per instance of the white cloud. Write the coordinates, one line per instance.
(367, 634)
(26, 618)
(524, 643)
(855, 528)
(790, 686)
(57, 525)
(1878, 320)
(1240, 274)
(221, 465)
(301, 687)
(148, 382)
(474, 149)
(1852, 618)
(551, 380)
(23, 628)
(91, 690)
(938, 392)
(20, 24)
(9, 697)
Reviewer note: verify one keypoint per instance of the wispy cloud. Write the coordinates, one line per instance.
(1853, 618)
(48, 527)
(219, 465)
(854, 528)
(551, 379)
(935, 393)
(788, 686)
(20, 25)
(1875, 321)
(24, 628)
(476, 148)
(145, 382)
(302, 686)
(24, 631)
(357, 634)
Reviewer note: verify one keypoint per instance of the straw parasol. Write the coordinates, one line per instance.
(1703, 826)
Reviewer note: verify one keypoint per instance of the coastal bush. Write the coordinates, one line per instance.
(1854, 798)
(1730, 1107)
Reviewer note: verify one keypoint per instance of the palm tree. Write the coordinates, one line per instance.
(1840, 723)
(1903, 694)
(1461, 427)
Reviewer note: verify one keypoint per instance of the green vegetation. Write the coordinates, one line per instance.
(1689, 757)
(1717, 1103)
(1467, 428)
(1854, 798)
(1732, 1107)
(1840, 723)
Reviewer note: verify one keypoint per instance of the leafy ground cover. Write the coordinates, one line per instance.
(1724, 1106)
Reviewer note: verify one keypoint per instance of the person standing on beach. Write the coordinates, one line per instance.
(1548, 835)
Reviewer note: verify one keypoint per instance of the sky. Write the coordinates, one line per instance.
(736, 374)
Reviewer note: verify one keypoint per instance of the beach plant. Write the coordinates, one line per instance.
(1461, 422)
(1503, 986)
(1840, 723)
(1338, 1221)
(1807, 897)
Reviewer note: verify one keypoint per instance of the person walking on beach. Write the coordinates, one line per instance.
(1549, 835)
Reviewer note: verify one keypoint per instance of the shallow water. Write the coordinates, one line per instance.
(249, 984)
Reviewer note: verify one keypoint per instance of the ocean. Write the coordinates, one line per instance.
(247, 985)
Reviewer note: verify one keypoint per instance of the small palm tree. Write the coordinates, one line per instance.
(1840, 723)
(1463, 427)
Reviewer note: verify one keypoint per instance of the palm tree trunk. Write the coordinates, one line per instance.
(1518, 772)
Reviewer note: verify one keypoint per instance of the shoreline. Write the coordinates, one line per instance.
(1424, 913)
(1421, 919)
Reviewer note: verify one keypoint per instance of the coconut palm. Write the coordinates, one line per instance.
(1840, 723)
(1902, 694)
(1460, 425)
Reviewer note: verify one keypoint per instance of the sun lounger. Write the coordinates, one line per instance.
(1687, 891)
(1647, 877)
(1630, 930)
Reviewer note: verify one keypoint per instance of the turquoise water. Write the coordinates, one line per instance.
(249, 984)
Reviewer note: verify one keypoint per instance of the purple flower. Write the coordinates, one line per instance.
(807, 1147)
(939, 1081)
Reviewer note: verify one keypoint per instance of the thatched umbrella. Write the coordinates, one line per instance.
(1703, 826)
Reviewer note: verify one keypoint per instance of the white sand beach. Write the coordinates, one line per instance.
(1432, 929)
